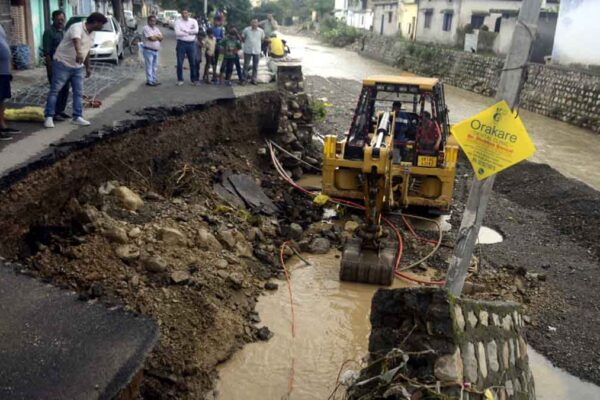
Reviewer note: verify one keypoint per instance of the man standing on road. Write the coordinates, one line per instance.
(72, 55)
(219, 34)
(186, 29)
(152, 39)
(253, 38)
(268, 25)
(51, 39)
(5, 78)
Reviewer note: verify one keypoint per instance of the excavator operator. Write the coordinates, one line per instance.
(429, 135)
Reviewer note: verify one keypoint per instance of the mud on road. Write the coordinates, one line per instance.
(549, 258)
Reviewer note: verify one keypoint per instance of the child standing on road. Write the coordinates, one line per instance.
(230, 47)
(210, 44)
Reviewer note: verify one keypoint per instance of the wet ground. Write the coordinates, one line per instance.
(331, 337)
(568, 149)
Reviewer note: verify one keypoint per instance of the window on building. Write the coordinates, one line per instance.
(447, 24)
(498, 24)
(428, 16)
(477, 21)
(389, 18)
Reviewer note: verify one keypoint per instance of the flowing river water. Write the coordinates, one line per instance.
(566, 148)
(332, 317)
(332, 329)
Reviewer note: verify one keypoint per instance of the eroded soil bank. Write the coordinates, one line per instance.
(186, 258)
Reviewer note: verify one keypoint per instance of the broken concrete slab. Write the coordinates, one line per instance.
(56, 347)
(252, 194)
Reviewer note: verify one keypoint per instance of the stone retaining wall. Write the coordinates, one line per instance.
(454, 344)
(569, 95)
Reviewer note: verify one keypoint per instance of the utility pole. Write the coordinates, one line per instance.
(508, 89)
(206, 9)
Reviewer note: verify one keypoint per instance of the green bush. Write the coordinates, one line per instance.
(337, 33)
(318, 109)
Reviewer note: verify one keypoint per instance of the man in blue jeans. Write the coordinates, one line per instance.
(50, 42)
(186, 29)
(70, 58)
(152, 39)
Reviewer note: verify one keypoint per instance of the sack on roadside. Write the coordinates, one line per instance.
(30, 113)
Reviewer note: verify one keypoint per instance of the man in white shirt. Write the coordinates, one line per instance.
(253, 39)
(152, 38)
(186, 29)
(71, 55)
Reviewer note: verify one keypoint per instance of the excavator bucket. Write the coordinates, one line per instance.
(367, 265)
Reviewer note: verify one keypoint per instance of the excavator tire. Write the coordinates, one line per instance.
(367, 265)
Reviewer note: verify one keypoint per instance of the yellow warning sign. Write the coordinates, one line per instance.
(493, 140)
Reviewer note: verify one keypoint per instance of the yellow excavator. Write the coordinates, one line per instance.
(397, 154)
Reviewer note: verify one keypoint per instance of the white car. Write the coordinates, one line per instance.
(108, 42)
(130, 20)
(160, 17)
(171, 18)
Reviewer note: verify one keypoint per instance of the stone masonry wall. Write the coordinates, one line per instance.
(295, 129)
(439, 341)
(569, 95)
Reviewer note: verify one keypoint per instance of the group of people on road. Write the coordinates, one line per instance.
(194, 44)
(67, 58)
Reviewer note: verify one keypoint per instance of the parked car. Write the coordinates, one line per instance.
(170, 15)
(108, 42)
(130, 20)
(160, 17)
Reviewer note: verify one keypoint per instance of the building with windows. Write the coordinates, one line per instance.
(356, 13)
(392, 17)
(492, 21)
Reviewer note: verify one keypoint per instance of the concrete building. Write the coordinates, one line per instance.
(493, 22)
(407, 18)
(385, 17)
(356, 13)
(577, 32)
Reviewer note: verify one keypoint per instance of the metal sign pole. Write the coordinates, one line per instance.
(509, 89)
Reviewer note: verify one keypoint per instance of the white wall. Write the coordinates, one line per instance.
(407, 19)
(360, 19)
(577, 33)
(435, 33)
(463, 10)
(381, 13)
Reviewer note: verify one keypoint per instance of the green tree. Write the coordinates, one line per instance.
(322, 7)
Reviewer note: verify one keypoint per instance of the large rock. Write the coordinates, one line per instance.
(115, 234)
(128, 198)
(180, 277)
(320, 245)
(296, 231)
(88, 215)
(449, 368)
(154, 264)
(208, 241)
(172, 236)
(134, 233)
(226, 236)
(127, 252)
(350, 226)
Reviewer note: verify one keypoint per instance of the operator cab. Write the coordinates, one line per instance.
(418, 119)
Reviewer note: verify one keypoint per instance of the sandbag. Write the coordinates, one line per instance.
(30, 113)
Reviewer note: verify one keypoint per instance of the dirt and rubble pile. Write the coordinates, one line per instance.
(295, 128)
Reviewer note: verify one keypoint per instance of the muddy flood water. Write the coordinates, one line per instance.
(332, 328)
(556, 141)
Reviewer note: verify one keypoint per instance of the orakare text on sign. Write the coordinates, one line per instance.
(493, 140)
